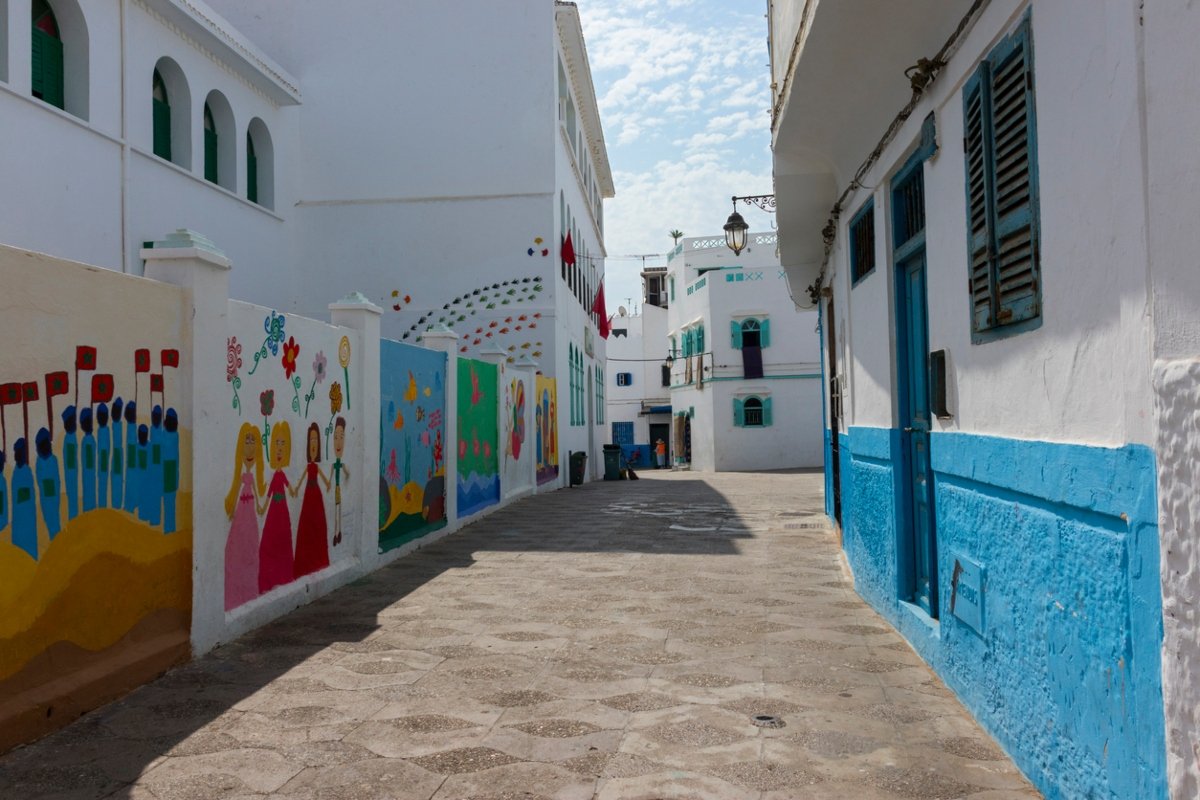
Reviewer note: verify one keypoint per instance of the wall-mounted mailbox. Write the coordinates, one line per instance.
(966, 592)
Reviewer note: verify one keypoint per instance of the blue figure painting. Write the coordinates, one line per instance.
(170, 468)
(88, 461)
(145, 480)
(70, 453)
(118, 455)
(3, 495)
(103, 455)
(24, 507)
(153, 478)
(49, 483)
(132, 473)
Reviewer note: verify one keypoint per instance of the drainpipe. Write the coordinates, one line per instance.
(124, 151)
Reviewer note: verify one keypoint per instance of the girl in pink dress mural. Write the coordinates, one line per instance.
(242, 508)
(275, 552)
(312, 530)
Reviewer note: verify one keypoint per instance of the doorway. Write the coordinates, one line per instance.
(660, 430)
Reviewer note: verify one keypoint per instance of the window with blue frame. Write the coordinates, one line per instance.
(624, 379)
(622, 433)
(862, 243)
(752, 412)
(1000, 144)
(750, 332)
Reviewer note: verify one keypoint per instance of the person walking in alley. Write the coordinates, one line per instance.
(660, 453)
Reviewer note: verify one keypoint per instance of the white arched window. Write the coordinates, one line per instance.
(171, 101)
(220, 142)
(59, 55)
(260, 165)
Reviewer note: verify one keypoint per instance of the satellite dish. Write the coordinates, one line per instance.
(621, 310)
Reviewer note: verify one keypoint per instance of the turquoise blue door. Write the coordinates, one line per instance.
(917, 505)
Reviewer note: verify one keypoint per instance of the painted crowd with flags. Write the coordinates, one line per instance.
(109, 460)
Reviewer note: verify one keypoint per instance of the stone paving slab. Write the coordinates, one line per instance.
(610, 641)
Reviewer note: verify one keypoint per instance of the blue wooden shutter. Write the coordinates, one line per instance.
(764, 333)
(976, 144)
(700, 339)
(1014, 190)
(735, 335)
(766, 411)
(739, 413)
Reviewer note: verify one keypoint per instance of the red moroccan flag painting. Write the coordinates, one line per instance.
(10, 394)
(103, 388)
(57, 383)
(170, 358)
(156, 382)
(85, 358)
(141, 360)
(29, 391)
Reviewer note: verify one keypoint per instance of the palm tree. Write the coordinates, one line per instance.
(676, 235)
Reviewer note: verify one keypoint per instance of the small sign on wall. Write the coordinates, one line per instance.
(966, 592)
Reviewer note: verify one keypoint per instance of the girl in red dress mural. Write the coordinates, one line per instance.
(275, 566)
(243, 508)
(312, 531)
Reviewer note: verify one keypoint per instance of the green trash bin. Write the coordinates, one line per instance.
(612, 462)
(578, 463)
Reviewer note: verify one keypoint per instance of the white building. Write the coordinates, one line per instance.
(435, 157)
(745, 381)
(638, 382)
(995, 210)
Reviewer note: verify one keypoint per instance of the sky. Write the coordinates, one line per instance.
(684, 94)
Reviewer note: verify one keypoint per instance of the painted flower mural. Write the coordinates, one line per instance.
(291, 351)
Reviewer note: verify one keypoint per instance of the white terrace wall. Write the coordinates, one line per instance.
(316, 454)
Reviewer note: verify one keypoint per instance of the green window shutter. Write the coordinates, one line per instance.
(764, 333)
(162, 129)
(700, 339)
(37, 58)
(210, 156)
(251, 178)
(739, 413)
(672, 282)
(735, 335)
(766, 415)
(1014, 192)
(979, 227)
(48, 68)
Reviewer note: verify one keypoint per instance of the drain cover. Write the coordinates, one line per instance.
(767, 721)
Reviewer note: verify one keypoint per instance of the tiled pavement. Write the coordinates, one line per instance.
(611, 641)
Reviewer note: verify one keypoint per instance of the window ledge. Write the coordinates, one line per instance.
(1006, 331)
(8, 88)
(187, 173)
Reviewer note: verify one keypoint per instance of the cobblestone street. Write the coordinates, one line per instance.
(611, 641)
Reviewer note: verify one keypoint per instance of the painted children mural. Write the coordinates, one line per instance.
(242, 506)
(275, 536)
(88, 461)
(24, 514)
(518, 474)
(412, 500)
(103, 455)
(478, 437)
(546, 423)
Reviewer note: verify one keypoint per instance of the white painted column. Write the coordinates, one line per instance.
(443, 339)
(187, 259)
(356, 312)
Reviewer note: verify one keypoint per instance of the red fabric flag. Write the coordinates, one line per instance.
(601, 312)
(102, 388)
(85, 358)
(156, 382)
(29, 391)
(170, 358)
(57, 383)
(141, 360)
(10, 394)
(568, 250)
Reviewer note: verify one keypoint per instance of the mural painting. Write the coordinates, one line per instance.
(545, 424)
(518, 455)
(412, 466)
(478, 437)
(86, 507)
(276, 536)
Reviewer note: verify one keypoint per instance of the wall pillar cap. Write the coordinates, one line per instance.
(184, 244)
(438, 332)
(527, 361)
(356, 301)
(493, 352)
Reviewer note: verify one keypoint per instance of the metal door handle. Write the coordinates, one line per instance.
(910, 430)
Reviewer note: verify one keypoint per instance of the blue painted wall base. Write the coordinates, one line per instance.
(1065, 673)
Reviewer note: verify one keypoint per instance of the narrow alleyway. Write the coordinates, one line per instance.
(612, 641)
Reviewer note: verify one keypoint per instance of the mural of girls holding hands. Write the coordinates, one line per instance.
(339, 469)
(243, 508)
(312, 532)
(275, 564)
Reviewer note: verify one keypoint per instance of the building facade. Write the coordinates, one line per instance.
(980, 204)
(745, 374)
(281, 130)
(638, 386)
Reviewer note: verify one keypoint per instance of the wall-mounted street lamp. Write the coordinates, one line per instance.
(736, 227)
